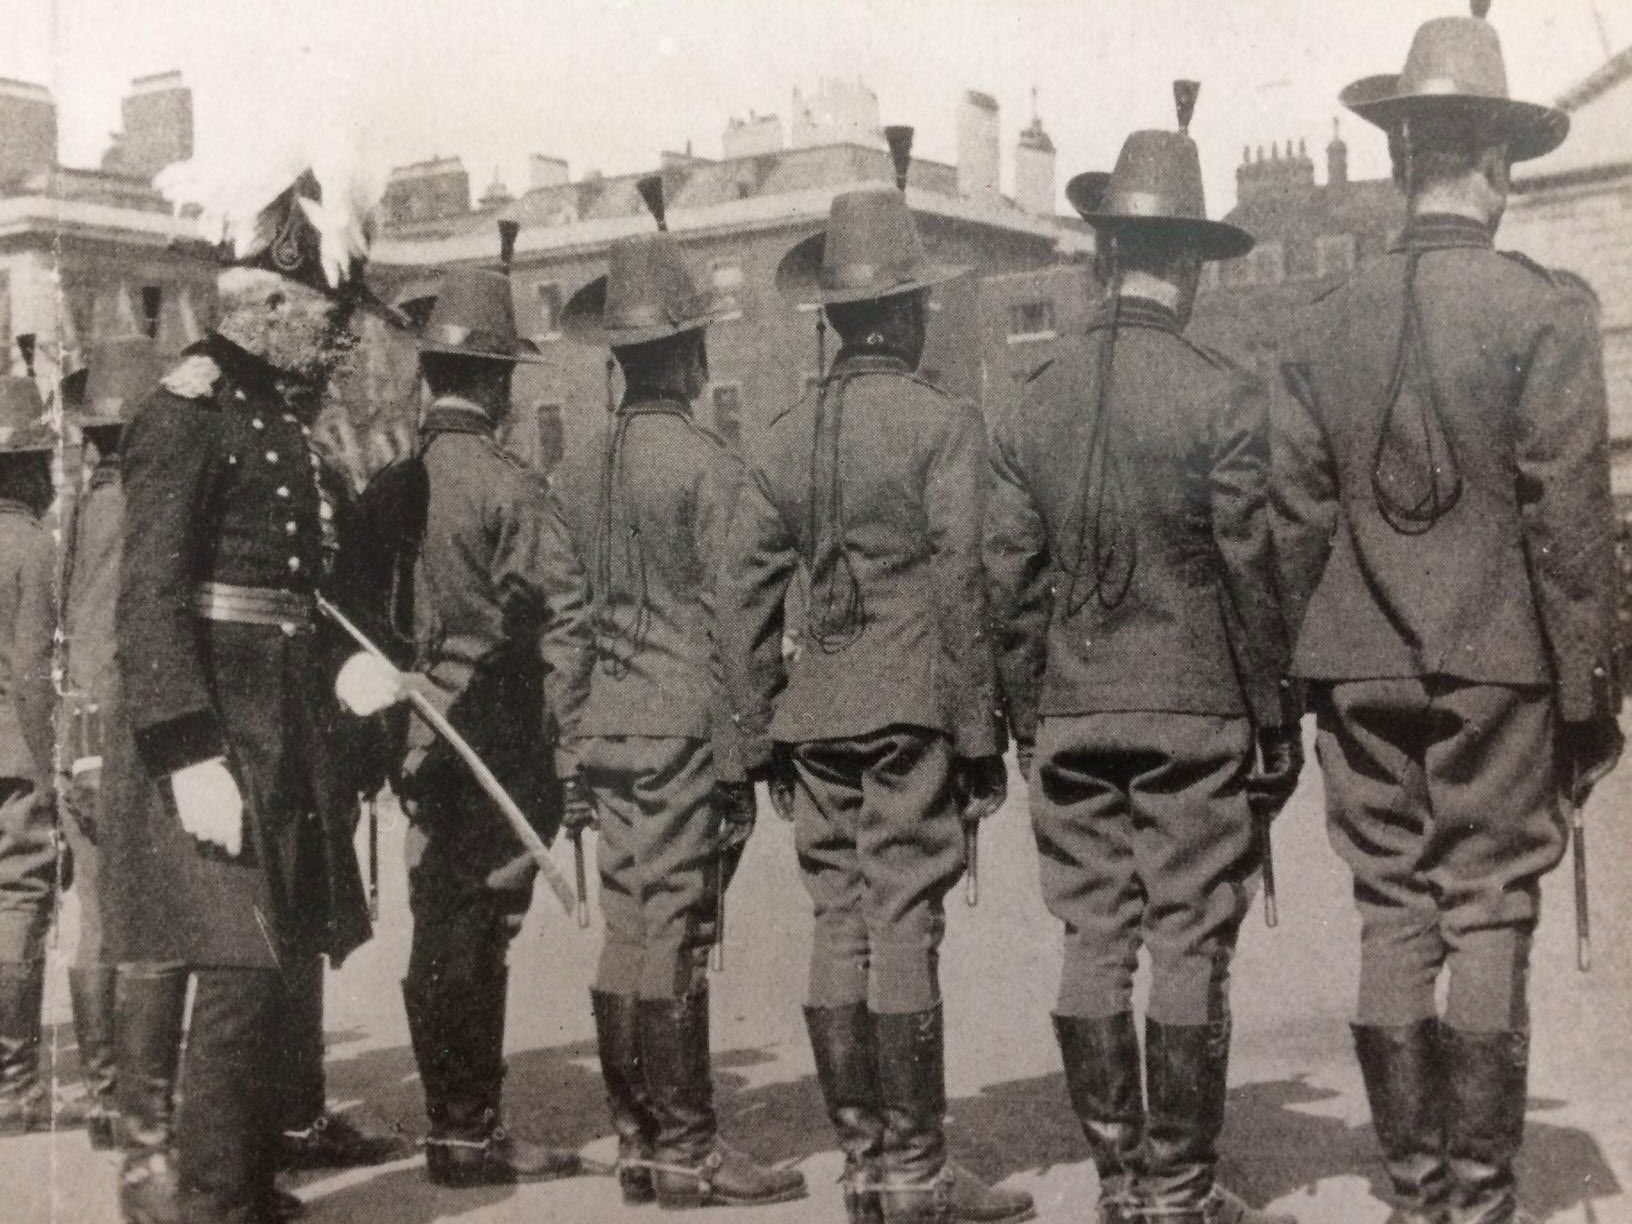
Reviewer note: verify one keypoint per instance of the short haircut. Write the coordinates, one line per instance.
(854, 320)
(650, 362)
(1159, 252)
(1435, 148)
(452, 373)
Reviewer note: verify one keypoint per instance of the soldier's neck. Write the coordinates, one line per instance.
(1137, 283)
(1458, 199)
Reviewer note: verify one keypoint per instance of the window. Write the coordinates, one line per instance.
(728, 412)
(1033, 320)
(549, 309)
(1335, 254)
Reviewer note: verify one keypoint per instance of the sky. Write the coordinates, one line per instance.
(607, 84)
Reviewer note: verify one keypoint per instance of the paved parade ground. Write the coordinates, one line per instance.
(1297, 1134)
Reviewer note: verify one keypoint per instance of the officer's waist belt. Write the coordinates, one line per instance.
(242, 605)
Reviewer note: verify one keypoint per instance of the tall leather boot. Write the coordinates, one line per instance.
(841, 1038)
(24, 1105)
(149, 1002)
(1401, 1065)
(617, 1038)
(919, 1183)
(1102, 1074)
(1486, 1076)
(1185, 1074)
(468, 1144)
(691, 1165)
(91, 992)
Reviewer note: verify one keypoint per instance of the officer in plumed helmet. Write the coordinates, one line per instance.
(882, 737)
(28, 855)
(1445, 534)
(640, 517)
(230, 783)
(1144, 670)
(452, 539)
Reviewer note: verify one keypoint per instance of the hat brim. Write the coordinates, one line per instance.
(1531, 129)
(583, 319)
(1086, 191)
(527, 352)
(1216, 240)
(799, 277)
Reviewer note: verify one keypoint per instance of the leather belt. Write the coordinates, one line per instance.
(222, 601)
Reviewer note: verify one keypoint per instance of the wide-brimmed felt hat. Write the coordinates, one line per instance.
(1156, 188)
(23, 427)
(870, 249)
(647, 293)
(1456, 67)
(475, 316)
(119, 373)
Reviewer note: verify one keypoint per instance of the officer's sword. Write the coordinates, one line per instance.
(580, 879)
(373, 858)
(484, 776)
(1578, 844)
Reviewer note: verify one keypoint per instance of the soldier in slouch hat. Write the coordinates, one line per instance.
(882, 737)
(1144, 663)
(1445, 537)
(640, 519)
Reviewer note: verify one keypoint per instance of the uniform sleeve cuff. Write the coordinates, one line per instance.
(179, 742)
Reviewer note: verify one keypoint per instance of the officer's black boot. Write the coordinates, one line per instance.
(1102, 1074)
(149, 1003)
(1485, 1078)
(310, 1137)
(1405, 1088)
(24, 1105)
(225, 1129)
(919, 1182)
(1185, 1071)
(617, 1037)
(468, 1144)
(691, 1165)
(91, 992)
(846, 1067)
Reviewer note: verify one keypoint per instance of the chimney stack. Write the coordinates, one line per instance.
(158, 115)
(979, 159)
(28, 130)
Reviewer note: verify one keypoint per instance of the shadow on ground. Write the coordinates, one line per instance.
(1274, 1146)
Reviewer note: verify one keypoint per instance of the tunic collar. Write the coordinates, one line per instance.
(105, 472)
(1443, 231)
(869, 363)
(455, 414)
(1131, 311)
(641, 403)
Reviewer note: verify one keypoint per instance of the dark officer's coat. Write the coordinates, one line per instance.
(27, 614)
(916, 653)
(221, 485)
(632, 644)
(1512, 584)
(1195, 627)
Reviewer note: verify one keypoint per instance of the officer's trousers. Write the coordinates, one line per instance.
(28, 869)
(87, 887)
(1442, 799)
(1144, 836)
(880, 845)
(660, 862)
(297, 1052)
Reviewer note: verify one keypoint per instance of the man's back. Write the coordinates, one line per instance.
(1461, 526)
(26, 562)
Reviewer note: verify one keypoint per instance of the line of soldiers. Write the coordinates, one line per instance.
(1142, 577)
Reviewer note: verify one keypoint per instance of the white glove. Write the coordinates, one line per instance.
(209, 804)
(367, 684)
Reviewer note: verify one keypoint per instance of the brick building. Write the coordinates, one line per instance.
(736, 217)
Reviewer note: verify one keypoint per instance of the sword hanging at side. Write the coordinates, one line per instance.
(513, 815)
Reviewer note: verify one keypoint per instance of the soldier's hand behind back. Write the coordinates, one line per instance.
(577, 807)
(1588, 751)
(734, 801)
(209, 803)
(981, 785)
(1280, 761)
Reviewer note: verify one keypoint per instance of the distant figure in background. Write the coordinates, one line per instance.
(1444, 532)
(28, 854)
